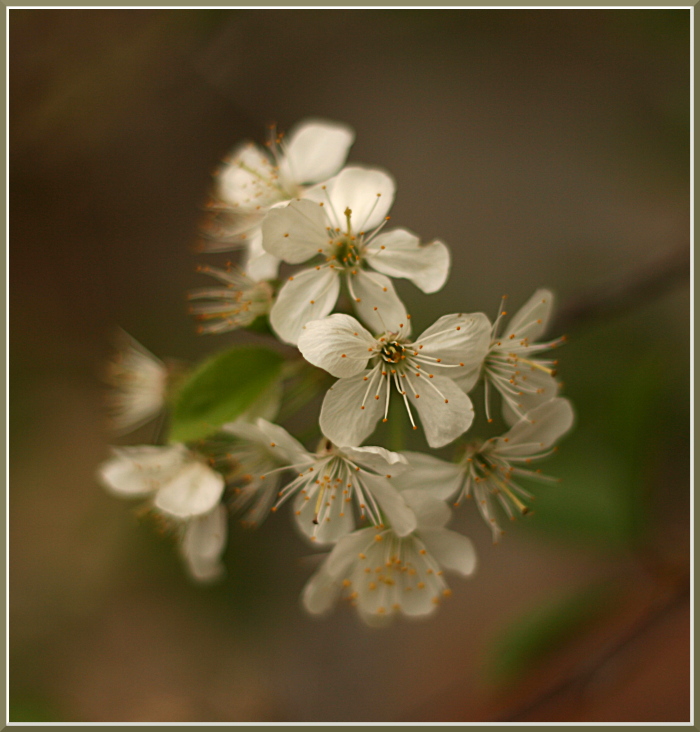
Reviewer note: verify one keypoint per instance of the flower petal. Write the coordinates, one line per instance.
(538, 430)
(315, 150)
(295, 232)
(194, 490)
(335, 517)
(345, 552)
(377, 458)
(338, 344)
(377, 303)
(450, 549)
(246, 181)
(431, 511)
(445, 410)
(257, 263)
(531, 320)
(401, 518)
(320, 593)
(203, 543)
(526, 389)
(398, 253)
(457, 339)
(275, 440)
(137, 471)
(350, 410)
(430, 475)
(308, 295)
(367, 192)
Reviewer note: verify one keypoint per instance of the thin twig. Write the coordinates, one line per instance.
(622, 294)
(585, 672)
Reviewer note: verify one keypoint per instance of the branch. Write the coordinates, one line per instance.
(622, 294)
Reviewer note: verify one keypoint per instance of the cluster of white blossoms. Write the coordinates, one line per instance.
(380, 514)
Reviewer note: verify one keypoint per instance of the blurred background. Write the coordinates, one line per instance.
(547, 148)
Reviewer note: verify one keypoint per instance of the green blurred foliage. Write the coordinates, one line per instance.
(611, 462)
(221, 389)
(542, 629)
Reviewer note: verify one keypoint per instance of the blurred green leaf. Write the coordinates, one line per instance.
(606, 466)
(221, 389)
(543, 629)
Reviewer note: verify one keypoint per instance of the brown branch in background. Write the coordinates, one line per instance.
(676, 592)
(622, 294)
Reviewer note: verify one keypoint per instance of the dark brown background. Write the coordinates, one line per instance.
(547, 148)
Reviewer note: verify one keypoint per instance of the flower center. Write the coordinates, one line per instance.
(393, 352)
(347, 251)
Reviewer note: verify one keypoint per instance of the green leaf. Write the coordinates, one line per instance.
(543, 629)
(221, 389)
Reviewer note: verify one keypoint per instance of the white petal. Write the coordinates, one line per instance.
(444, 409)
(257, 263)
(343, 419)
(308, 295)
(194, 490)
(529, 387)
(401, 518)
(274, 439)
(246, 182)
(429, 474)
(334, 521)
(137, 471)
(457, 339)
(203, 543)
(320, 593)
(315, 150)
(376, 302)
(295, 232)
(379, 459)
(538, 430)
(345, 553)
(450, 549)
(431, 511)
(398, 253)
(367, 192)
(338, 344)
(531, 320)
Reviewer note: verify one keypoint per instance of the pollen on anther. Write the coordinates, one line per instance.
(447, 401)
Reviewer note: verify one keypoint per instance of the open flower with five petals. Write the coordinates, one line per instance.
(510, 367)
(422, 370)
(382, 573)
(328, 483)
(339, 222)
(253, 180)
(489, 470)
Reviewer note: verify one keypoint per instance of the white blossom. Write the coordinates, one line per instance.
(489, 470)
(382, 573)
(523, 381)
(253, 180)
(338, 224)
(423, 371)
(235, 304)
(328, 482)
(178, 482)
(138, 380)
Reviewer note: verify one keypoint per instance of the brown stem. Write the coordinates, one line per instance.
(619, 295)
